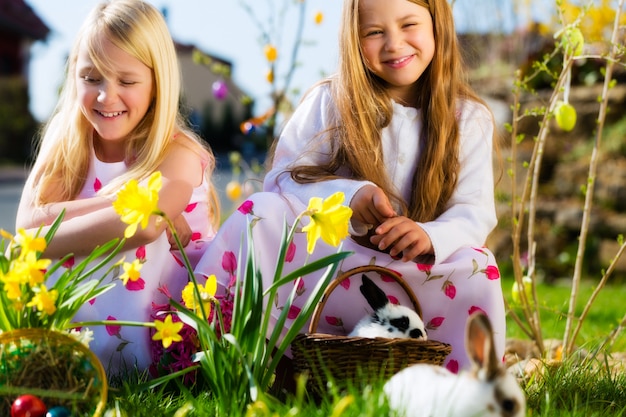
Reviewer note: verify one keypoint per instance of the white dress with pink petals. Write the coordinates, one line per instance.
(463, 276)
(125, 348)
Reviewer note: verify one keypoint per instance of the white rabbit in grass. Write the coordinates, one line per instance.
(424, 390)
(388, 320)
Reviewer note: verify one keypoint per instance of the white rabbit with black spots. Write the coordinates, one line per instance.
(488, 390)
(388, 320)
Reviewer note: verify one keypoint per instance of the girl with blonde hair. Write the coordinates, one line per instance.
(399, 131)
(118, 119)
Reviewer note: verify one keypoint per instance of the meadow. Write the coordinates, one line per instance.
(571, 389)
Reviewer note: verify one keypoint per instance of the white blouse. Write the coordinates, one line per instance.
(470, 214)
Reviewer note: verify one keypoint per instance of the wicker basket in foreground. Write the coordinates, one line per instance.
(344, 359)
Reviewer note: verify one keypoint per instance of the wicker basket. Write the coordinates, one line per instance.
(345, 359)
(53, 366)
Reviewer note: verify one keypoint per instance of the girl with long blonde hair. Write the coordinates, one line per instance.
(400, 132)
(118, 119)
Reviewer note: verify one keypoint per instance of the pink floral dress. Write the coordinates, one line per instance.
(463, 276)
(124, 348)
(448, 292)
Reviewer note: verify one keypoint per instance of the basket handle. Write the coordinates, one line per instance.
(359, 270)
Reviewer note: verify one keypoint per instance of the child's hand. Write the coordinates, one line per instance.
(401, 235)
(182, 230)
(371, 206)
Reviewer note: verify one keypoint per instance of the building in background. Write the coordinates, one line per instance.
(215, 113)
(216, 106)
(20, 27)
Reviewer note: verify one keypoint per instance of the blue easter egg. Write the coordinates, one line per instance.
(58, 412)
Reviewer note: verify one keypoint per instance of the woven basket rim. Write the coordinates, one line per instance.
(327, 336)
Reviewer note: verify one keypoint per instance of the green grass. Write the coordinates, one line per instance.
(571, 390)
(578, 391)
(606, 312)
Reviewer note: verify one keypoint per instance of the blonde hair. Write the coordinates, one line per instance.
(62, 163)
(364, 108)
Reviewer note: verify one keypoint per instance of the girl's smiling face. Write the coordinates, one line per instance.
(114, 103)
(398, 43)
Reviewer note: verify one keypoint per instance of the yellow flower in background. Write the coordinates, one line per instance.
(135, 204)
(329, 220)
(269, 76)
(44, 300)
(131, 271)
(234, 190)
(319, 18)
(29, 243)
(270, 52)
(207, 293)
(167, 331)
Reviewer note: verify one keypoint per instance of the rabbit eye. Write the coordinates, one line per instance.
(400, 323)
(508, 405)
(416, 333)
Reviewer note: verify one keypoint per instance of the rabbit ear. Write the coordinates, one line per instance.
(480, 346)
(375, 297)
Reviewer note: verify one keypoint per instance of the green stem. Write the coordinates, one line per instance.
(569, 338)
(187, 262)
(111, 323)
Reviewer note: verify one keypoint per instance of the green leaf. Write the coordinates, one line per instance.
(54, 226)
(309, 268)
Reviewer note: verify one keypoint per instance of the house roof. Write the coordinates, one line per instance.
(189, 48)
(18, 18)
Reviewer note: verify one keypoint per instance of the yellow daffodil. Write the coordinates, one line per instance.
(270, 53)
(29, 243)
(44, 300)
(12, 281)
(167, 331)
(329, 220)
(33, 268)
(135, 204)
(207, 292)
(131, 271)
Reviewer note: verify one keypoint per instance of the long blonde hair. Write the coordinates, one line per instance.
(62, 163)
(364, 108)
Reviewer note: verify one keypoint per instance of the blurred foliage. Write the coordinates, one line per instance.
(597, 20)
